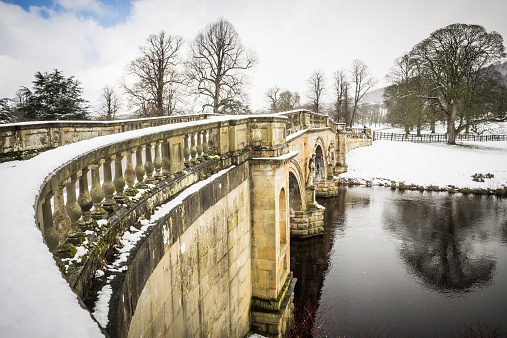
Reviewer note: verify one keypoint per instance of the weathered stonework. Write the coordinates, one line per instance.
(198, 281)
(307, 223)
(271, 275)
(219, 263)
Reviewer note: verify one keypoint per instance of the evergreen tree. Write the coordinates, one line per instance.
(54, 97)
(6, 115)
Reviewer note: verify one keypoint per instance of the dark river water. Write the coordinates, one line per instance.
(405, 264)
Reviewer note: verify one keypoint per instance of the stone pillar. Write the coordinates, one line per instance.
(148, 166)
(205, 145)
(272, 282)
(199, 145)
(341, 151)
(61, 221)
(73, 209)
(119, 180)
(166, 160)
(158, 163)
(97, 193)
(85, 199)
(108, 187)
(193, 149)
(186, 151)
(130, 175)
(51, 236)
(140, 169)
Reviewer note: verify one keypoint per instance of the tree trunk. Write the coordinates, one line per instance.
(432, 123)
(216, 97)
(451, 129)
(407, 129)
(352, 117)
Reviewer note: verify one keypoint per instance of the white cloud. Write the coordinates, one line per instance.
(291, 38)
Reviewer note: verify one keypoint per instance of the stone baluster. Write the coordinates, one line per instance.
(61, 221)
(148, 166)
(213, 141)
(97, 193)
(158, 163)
(49, 232)
(73, 209)
(108, 187)
(85, 199)
(140, 169)
(186, 151)
(193, 149)
(166, 161)
(199, 145)
(119, 181)
(205, 145)
(130, 175)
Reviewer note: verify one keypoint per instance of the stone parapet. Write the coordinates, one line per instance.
(21, 141)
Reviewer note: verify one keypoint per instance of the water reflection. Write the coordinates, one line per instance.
(311, 260)
(420, 263)
(443, 239)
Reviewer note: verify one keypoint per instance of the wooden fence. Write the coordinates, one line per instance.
(426, 138)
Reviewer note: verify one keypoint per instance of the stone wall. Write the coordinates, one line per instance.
(201, 284)
(358, 140)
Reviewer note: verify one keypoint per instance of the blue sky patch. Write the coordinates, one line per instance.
(112, 13)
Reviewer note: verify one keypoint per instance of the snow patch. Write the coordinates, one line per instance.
(426, 164)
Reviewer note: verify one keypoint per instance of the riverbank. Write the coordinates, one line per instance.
(468, 167)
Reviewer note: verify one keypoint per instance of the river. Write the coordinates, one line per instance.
(405, 264)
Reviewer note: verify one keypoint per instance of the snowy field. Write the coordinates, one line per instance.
(426, 164)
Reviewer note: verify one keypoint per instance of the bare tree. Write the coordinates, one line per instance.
(341, 86)
(156, 77)
(217, 64)
(273, 96)
(316, 88)
(288, 101)
(282, 101)
(109, 103)
(362, 82)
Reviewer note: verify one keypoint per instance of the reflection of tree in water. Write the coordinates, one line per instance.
(441, 241)
(504, 232)
(311, 257)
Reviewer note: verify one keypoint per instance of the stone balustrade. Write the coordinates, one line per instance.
(91, 200)
(20, 141)
(104, 185)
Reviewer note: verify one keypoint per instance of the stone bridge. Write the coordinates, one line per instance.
(188, 223)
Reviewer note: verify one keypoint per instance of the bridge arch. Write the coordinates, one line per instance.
(282, 221)
(296, 188)
(320, 160)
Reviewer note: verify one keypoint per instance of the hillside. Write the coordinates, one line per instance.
(373, 97)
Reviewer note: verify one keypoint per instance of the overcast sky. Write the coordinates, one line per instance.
(94, 40)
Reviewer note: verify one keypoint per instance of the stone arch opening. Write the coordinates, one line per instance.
(320, 167)
(295, 200)
(282, 222)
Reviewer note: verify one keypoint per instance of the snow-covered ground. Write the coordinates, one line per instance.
(426, 164)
